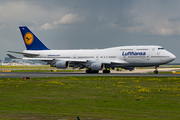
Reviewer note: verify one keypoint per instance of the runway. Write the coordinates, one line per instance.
(61, 74)
(136, 72)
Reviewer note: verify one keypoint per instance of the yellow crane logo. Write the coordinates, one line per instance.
(28, 38)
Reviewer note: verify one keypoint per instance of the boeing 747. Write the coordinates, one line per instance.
(127, 57)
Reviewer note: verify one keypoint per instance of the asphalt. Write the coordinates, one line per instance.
(141, 72)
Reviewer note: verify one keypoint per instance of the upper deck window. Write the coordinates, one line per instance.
(160, 48)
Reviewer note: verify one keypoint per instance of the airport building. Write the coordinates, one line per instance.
(17, 62)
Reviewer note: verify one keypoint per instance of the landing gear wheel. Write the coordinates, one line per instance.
(95, 71)
(155, 71)
(106, 71)
(88, 71)
(92, 71)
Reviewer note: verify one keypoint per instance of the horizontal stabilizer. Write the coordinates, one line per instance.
(23, 53)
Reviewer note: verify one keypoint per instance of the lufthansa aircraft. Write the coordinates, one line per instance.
(127, 57)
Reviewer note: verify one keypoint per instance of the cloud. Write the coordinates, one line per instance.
(174, 19)
(2, 26)
(47, 26)
(69, 19)
(66, 19)
(27, 13)
(126, 18)
(89, 22)
(29, 23)
(162, 31)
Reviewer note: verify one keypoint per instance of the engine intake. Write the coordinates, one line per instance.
(62, 64)
(97, 66)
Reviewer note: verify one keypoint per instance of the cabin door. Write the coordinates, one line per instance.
(148, 57)
(97, 56)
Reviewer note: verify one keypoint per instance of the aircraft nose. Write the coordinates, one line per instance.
(172, 57)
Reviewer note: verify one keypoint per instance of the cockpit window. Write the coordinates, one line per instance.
(160, 48)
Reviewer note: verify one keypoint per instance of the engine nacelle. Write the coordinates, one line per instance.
(97, 66)
(62, 64)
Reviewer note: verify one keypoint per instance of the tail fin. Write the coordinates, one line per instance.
(30, 40)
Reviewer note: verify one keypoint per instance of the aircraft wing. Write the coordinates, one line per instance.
(70, 60)
(111, 62)
(45, 59)
(52, 59)
(48, 59)
(57, 59)
(120, 62)
(75, 60)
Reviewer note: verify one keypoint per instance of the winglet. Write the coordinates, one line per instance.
(30, 40)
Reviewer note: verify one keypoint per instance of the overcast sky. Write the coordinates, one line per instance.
(81, 24)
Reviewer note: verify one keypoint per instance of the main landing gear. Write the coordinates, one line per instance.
(156, 71)
(92, 71)
(106, 71)
(97, 71)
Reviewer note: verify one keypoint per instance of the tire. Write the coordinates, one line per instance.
(155, 72)
(92, 71)
(106, 71)
(95, 71)
(88, 71)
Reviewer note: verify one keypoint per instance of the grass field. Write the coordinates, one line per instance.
(26, 67)
(45, 70)
(41, 67)
(90, 98)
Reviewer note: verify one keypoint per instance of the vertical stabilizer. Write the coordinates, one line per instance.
(30, 40)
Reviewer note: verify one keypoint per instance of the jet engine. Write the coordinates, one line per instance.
(62, 64)
(97, 66)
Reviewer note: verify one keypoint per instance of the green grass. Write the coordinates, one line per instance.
(48, 67)
(167, 72)
(161, 66)
(133, 98)
(26, 67)
(42, 68)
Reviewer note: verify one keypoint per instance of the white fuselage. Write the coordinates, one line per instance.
(125, 56)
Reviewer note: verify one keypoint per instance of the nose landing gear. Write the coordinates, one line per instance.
(156, 71)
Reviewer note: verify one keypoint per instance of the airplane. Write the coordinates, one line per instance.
(94, 60)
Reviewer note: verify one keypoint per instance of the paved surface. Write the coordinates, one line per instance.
(140, 72)
(146, 70)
